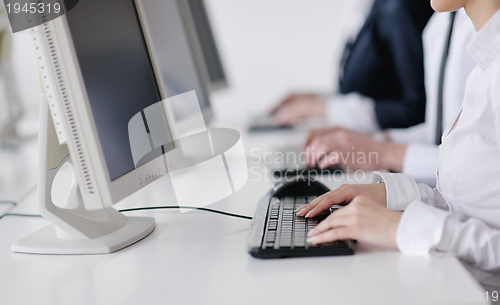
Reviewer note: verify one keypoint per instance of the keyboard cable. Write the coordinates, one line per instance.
(148, 208)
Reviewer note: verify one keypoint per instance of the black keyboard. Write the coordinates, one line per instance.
(306, 172)
(278, 232)
(266, 124)
(287, 232)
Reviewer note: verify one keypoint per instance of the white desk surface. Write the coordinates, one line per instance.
(201, 258)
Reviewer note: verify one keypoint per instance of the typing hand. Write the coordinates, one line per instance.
(298, 106)
(363, 220)
(355, 150)
(344, 194)
(336, 145)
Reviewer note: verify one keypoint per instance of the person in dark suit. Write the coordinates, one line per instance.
(381, 81)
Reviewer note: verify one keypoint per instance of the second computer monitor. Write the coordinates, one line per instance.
(203, 34)
(174, 61)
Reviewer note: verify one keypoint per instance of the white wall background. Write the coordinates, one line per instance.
(271, 47)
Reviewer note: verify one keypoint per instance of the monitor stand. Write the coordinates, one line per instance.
(74, 230)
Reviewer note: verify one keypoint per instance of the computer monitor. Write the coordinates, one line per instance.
(97, 73)
(175, 62)
(202, 33)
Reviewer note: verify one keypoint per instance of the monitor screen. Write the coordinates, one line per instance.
(207, 42)
(173, 54)
(117, 73)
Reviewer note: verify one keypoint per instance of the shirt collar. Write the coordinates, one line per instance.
(485, 47)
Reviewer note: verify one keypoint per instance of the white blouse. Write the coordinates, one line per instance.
(461, 216)
(421, 156)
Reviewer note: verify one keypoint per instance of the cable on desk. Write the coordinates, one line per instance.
(21, 215)
(151, 208)
(8, 202)
(186, 207)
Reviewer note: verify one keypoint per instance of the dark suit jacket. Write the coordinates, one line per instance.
(385, 62)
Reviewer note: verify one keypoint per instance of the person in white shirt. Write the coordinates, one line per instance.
(460, 217)
(410, 150)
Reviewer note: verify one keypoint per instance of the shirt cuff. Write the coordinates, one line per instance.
(400, 189)
(420, 162)
(420, 230)
(352, 111)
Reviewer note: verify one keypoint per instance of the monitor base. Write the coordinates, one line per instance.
(45, 240)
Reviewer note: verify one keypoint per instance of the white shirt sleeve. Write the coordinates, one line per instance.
(402, 190)
(427, 231)
(352, 111)
(420, 162)
(414, 134)
(427, 228)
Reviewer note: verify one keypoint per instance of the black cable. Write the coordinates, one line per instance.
(21, 215)
(186, 207)
(8, 202)
(151, 208)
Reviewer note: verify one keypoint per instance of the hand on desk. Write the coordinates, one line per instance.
(336, 145)
(365, 218)
(298, 106)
